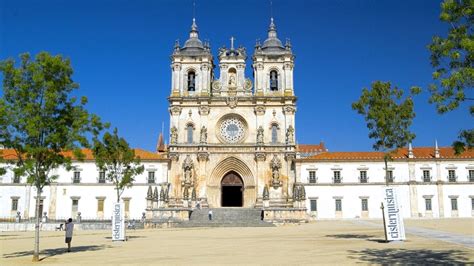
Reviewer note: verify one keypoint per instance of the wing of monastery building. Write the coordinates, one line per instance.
(233, 144)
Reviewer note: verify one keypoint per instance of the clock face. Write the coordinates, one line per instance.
(232, 130)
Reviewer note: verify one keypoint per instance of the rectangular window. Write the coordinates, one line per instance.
(471, 175)
(454, 204)
(337, 177)
(274, 134)
(101, 177)
(312, 177)
(426, 176)
(338, 205)
(365, 204)
(75, 206)
(100, 205)
(190, 130)
(452, 175)
(16, 179)
(314, 205)
(428, 204)
(127, 205)
(77, 177)
(14, 204)
(390, 176)
(151, 177)
(363, 176)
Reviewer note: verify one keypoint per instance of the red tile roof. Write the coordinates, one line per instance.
(9, 154)
(305, 148)
(419, 153)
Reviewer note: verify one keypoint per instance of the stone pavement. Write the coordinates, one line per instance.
(465, 240)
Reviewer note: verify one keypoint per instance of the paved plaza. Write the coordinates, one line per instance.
(322, 242)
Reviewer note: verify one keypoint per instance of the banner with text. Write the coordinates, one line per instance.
(394, 227)
(118, 222)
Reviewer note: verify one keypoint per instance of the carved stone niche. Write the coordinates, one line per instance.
(175, 110)
(275, 165)
(260, 156)
(259, 110)
(188, 167)
(204, 109)
(289, 109)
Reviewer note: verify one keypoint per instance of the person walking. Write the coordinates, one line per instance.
(210, 215)
(69, 228)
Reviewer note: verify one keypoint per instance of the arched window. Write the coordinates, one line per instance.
(273, 80)
(190, 132)
(274, 133)
(191, 81)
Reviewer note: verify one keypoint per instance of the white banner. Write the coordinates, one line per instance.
(394, 227)
(118, 222)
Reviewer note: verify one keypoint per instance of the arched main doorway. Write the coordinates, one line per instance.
(232, 190)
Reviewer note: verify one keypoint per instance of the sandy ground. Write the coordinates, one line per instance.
(458, 226)
(323, 242)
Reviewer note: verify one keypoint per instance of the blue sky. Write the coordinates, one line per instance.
(120, 54)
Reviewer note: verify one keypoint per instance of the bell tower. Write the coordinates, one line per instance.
(191, 66)
(273, 66)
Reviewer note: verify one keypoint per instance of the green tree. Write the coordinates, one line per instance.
(388, 116)
(40, 119)
(114, 156)
(452, 58)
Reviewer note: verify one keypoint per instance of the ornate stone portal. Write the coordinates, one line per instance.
(221, 135)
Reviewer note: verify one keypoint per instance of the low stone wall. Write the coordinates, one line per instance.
(285, 215)
(52, 226)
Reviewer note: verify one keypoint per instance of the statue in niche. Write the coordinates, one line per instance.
(275, 165)
(290, 135)
(174, 135)
(203, 138)
(232, 82)
(260, 135)
(188, 174)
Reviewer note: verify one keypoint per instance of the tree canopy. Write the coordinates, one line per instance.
(39, 118)
(114, 156)
(452, 58)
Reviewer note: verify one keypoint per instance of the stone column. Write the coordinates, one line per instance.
(413, 191)
(439, 186)
(53, 188)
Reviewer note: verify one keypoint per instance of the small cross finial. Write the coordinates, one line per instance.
(232, 39)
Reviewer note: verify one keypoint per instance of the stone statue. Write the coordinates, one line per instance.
(232, 80)
(174, 135)
(275, 165)
(203, 139)
(188, 174)
(266, 193)
(260, 135)
(290, 135)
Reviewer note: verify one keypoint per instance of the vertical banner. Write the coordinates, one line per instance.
(118, 222)
(394, 228)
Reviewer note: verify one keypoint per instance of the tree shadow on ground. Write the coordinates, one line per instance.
(358, 236)
(410, 257)
(46, 253)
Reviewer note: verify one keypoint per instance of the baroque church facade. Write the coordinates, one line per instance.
(233, 144)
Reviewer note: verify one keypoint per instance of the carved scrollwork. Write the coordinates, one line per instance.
(260, 156)
(204, 110)
(174, 135)
(259, 110)
(232, 102)
(248, 84)
(203, 156)
(216, 85)
(289, 109)
(175, 110)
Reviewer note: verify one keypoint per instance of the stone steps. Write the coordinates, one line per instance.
(226, 217)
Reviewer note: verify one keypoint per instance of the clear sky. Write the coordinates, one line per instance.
(120, 52)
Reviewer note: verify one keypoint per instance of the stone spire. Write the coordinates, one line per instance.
(272, 42)
(160, 145)
(436, 149)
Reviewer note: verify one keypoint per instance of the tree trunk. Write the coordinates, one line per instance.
(118, 194)
(37, 224)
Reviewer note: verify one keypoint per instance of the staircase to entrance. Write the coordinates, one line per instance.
(226, 217)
